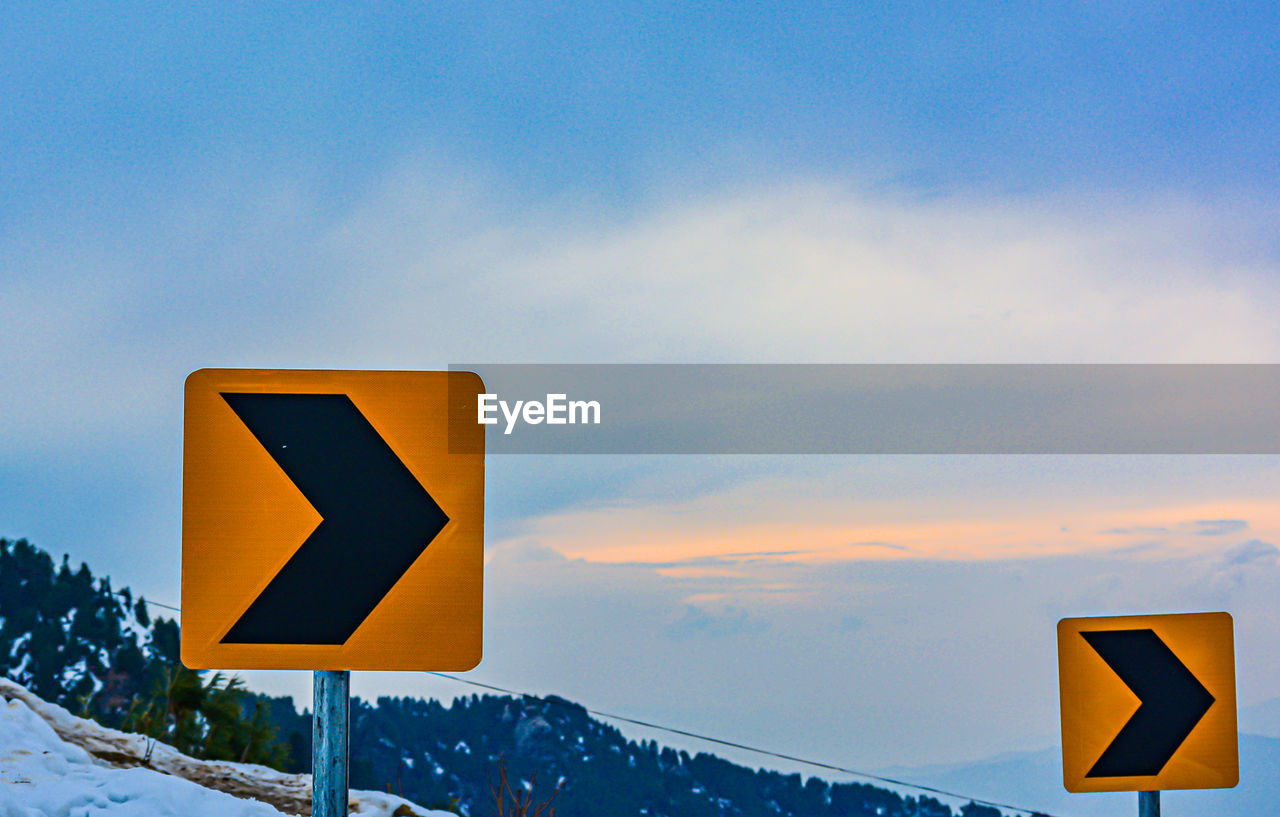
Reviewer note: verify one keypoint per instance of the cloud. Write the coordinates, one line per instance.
(431, 266)
(699, 623)
(851, 624)
(844, 514)
(814, 272)
(524, 551)
(107, 312)
(1239, 567)
(1219, 527)
(1150, 530)
(1254, 551)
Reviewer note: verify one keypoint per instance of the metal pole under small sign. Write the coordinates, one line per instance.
(1148, 804)
(330, 743)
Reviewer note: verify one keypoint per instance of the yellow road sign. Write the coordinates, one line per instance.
(325, 525)
(1148, 702)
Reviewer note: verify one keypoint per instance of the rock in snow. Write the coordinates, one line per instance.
(53, 764)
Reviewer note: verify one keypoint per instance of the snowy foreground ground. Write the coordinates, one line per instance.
(53, 764)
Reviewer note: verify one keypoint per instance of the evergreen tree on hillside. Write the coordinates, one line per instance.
(438, 754)
(72, 640)
(68, 638)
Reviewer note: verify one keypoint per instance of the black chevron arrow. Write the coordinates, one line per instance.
(376, 519)
(1173, 702)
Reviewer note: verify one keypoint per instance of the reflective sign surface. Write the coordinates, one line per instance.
(325, 524)
(1148, 702)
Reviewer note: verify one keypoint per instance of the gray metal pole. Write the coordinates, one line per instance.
(329, 743)
(1148, 804)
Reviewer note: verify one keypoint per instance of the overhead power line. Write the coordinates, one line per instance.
(148, 601)
(745, 747)
(817, 764)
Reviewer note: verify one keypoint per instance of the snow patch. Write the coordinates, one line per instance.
(54, 764)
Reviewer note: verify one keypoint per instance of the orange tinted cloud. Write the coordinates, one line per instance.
(717, 535)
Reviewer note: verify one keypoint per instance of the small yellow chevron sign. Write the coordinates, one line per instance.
(1148, 702)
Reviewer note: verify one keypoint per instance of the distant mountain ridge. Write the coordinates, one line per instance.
(73, 640)
(1036, 777)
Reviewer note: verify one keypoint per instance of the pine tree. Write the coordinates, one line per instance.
(74, 641)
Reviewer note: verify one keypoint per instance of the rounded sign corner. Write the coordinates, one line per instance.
(188, 661)
(466, 376)
(194, 377)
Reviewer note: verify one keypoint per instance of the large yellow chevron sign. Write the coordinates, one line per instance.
(1148, 702)
(325, 523)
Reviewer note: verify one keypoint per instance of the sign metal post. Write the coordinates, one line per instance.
(1148, 804)
(330, 726)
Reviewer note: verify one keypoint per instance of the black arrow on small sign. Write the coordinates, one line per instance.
(376, 519)
(1173, 702)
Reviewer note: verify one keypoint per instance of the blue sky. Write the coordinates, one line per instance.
(414, 185)
(607, 99)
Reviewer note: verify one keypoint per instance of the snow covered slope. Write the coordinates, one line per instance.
(53, 764)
